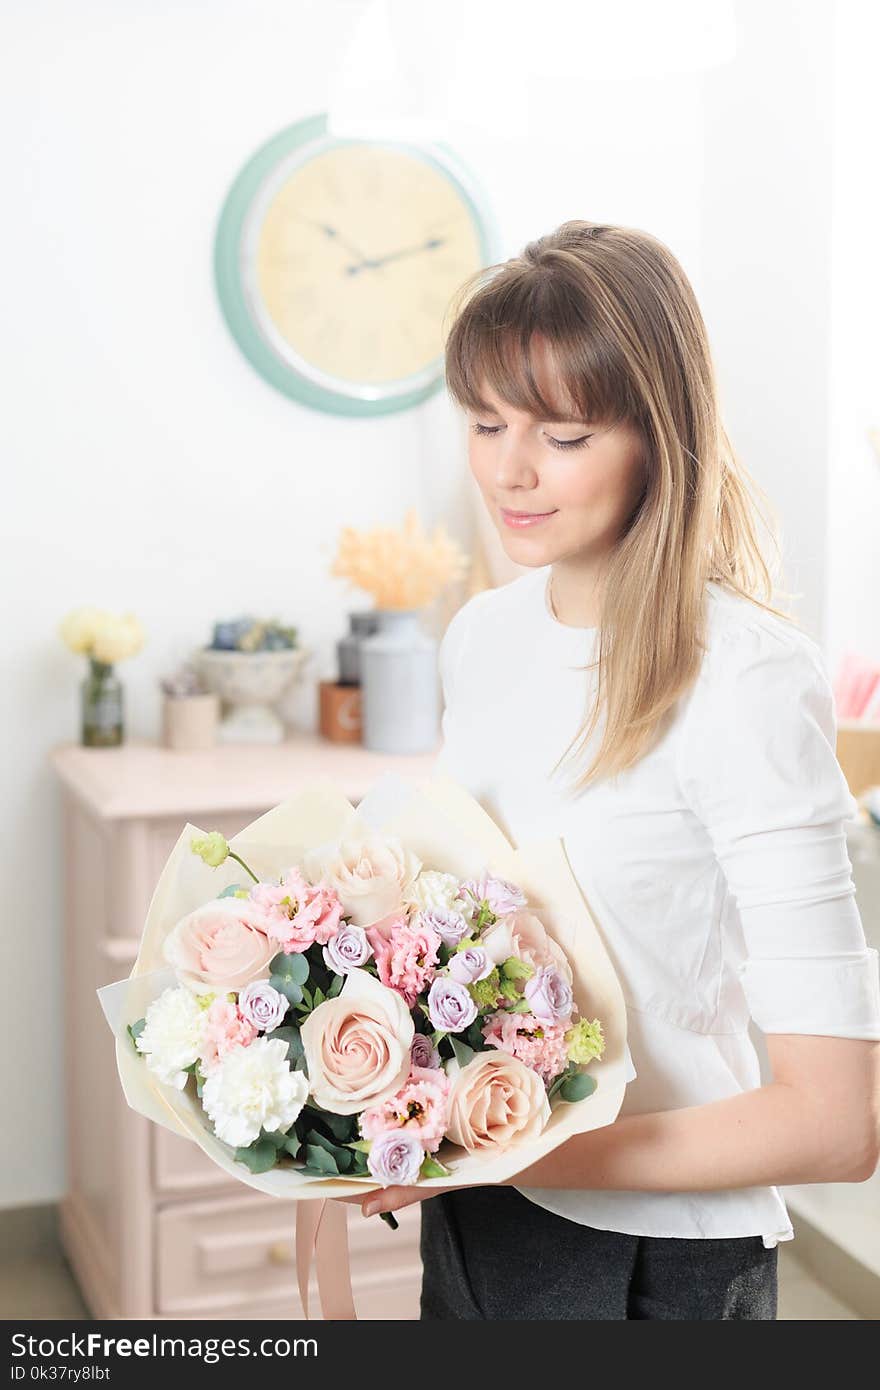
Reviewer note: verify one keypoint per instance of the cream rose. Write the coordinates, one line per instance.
(524, 935)
(496, 1101)
(219, 947)
(357, 1046)
(371, 874)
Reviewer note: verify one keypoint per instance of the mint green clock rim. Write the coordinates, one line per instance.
(230, 291)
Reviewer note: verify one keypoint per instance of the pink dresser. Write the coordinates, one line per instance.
(151, 1227)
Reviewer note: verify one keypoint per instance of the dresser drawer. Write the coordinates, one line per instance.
(179, 1166)
(225, 1257)
(235, 1257)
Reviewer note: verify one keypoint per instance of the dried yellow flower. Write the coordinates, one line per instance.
(402, 567)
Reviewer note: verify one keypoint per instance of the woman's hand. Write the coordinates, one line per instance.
(393, 1198)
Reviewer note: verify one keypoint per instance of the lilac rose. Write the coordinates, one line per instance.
(502, 896)
(450, 926)
(450, 1007)
(549, 995)
(262, 1005)
(470, 965)
(347, 950)
(395, 1157)
(423, 1053)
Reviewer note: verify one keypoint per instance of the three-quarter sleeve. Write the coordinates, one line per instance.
(758, 767)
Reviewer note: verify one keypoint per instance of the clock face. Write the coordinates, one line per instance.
(346, 256)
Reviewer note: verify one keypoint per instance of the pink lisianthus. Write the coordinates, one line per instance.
(538, 1045)
(420, 1106)
(406, 956)
(226, 1029)
(297, 913)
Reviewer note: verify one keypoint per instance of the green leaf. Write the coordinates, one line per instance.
(134, 1030)
(463, 1053)
(275, 1136)
(292, 1143)
(319, 1160)
(437, 1037)
(336, 986)
(522, 1006)
(317, 997)
(432, 1168)
(577, 1087)
(286, 985)
(258, 1157)
(232, 890)
(342, 1127)
(362, 1146)
(342, 1158)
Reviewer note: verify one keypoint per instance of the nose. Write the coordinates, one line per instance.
(513, 466)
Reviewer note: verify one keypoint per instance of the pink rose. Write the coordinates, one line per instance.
(496, 1101)
(220, 946)
(226, 1029)
(357, 1046)
(406, 955)
(524, 935)
(370, 873)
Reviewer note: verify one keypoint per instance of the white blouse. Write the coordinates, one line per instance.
(716, 868)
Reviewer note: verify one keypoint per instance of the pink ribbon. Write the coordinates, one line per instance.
(322, 1238)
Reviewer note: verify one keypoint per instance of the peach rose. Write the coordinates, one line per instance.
(357, 1046)
(496, 1101)
(219, 947)
(523, 934)
(370, 874)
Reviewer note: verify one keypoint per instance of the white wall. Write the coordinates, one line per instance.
(148, 467)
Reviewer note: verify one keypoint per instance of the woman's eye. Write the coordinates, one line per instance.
(555, 443)
(569, 443)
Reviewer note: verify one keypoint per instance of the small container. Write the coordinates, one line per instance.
(348, 648)
(340, 712)
(101, 706)
(189, 722)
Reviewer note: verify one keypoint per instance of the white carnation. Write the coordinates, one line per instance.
(171, 1038)
(253, 1088)
(434, 890)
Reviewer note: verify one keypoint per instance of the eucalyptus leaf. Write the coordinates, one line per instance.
(578, 1087)
(288, 986)
(258, 1157)
(463, 1053)
(319, 1160)
(134, 1030)
(230, 890)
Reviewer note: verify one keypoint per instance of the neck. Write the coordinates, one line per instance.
(574, 596)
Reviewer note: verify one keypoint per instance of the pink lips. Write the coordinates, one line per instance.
(518, 519)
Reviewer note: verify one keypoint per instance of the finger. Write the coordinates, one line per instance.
(392, 1199)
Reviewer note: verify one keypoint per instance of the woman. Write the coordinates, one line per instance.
(704, 818)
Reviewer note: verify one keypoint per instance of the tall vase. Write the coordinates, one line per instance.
(400, 691)
(101, 706)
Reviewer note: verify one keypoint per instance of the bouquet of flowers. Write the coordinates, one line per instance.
(341, 998)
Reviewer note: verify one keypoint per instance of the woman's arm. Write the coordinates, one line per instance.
(817, 1121)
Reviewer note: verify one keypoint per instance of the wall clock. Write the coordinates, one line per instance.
(336, 259)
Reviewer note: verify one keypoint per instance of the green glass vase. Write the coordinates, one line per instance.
(102, 706)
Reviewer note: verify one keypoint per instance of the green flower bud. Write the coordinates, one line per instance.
(585, 1041)
(516, 969)
(212, 848)
(485, 992)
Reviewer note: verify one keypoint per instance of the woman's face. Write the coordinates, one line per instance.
(574, 484)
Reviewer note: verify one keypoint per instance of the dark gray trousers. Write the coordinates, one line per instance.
(490, 1253)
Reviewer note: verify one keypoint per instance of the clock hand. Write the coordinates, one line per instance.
(372, 263)
(337, 236)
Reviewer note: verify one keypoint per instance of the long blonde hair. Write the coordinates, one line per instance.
(629, 345)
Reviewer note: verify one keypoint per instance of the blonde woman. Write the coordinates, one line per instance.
(636, 691)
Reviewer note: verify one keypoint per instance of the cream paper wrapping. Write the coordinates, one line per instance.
(447, 829)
